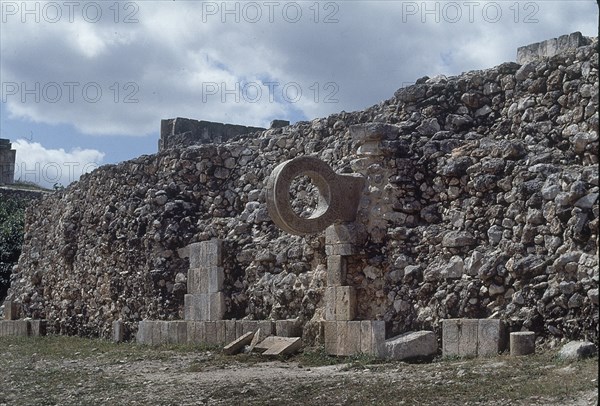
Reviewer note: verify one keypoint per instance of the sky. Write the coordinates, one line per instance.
(86, 83)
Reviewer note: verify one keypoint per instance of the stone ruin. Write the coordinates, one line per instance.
(7, 162)
(477, 217)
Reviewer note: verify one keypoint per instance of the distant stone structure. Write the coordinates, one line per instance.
(183, 132)
(551, 47)
(7, 162)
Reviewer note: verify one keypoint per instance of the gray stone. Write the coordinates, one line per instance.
(118, 332)
(522, 343)
(458, 239)
(575, 350)
(418, 344)
(338, 201)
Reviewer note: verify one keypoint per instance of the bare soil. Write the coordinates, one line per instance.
(76, 371)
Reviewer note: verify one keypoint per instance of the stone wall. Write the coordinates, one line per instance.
(481, 199)
(184, 132)
(7, 162)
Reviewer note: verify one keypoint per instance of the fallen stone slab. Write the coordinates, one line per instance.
(417, 344)
(283, 346)
(237, 345)
(575, 350)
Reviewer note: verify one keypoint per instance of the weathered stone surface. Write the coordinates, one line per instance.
(577, 349)
(522, 343)
(204, 306)
(520, 180)
(459, 337)
(340, 303)
(336, 270)
(11, 310)
(237, 345)
(118, 330)
(417, 344)
(15, 328)
(338, 201)
(288, 328)
(283, 346)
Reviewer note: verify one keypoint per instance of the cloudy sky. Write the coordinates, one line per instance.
(87, 83)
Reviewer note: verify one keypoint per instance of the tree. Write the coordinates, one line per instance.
(12, 224)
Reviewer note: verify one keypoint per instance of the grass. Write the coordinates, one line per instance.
(58, 370)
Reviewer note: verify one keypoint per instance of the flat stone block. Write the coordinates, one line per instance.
(345, 303)
(204, 306)
(283, 346)
(239, 329)
(459, 337)
(352, 344)
(522, 343)
(144, 333)
(196, 332)
(15, 328)
(288, 328)
(205, 253)
(331, 337)
(211, 332)
(230, 330)
(411, 345)
(117, 331)
(490, 337)
(12, 310)
(176, 332)
(237, 345)
(205, 279)
(38, 327)
(372, 337)
(336, 270)
(156, 332)
(221, 333)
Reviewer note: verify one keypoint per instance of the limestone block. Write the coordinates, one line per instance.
(283, 346)
(176, 332)
(459, 337)
(11, 310)
(331, 337)
(196, 332)
(414, 344)
(372, 337)
(156, 328)
(345, 303)
(330, 303)
(210, 337)
(230, 330)
(249, 325)
(490, 337)
(205, 279)
(237, 345)
(338, 202)
(117, 330)
(39, 327)
(15, 328)
(522, 343)
(349, 342)
(336, 270)
(205, 254)
(266, 327)
(221, 332)
(345, 233)
(144, 333)
(204, 306)
(340, 303)
(340, 249)
(288, 328)
(239, 328)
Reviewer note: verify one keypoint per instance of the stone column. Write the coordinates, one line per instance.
(7, 162)
(205, 300)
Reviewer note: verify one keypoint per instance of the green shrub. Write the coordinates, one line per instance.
(12, 223)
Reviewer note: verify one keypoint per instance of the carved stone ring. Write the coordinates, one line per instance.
(339, 195)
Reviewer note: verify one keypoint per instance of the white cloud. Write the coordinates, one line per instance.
(181, 59)
(47, 167)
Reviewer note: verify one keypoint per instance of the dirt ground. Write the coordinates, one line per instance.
(75, 371)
